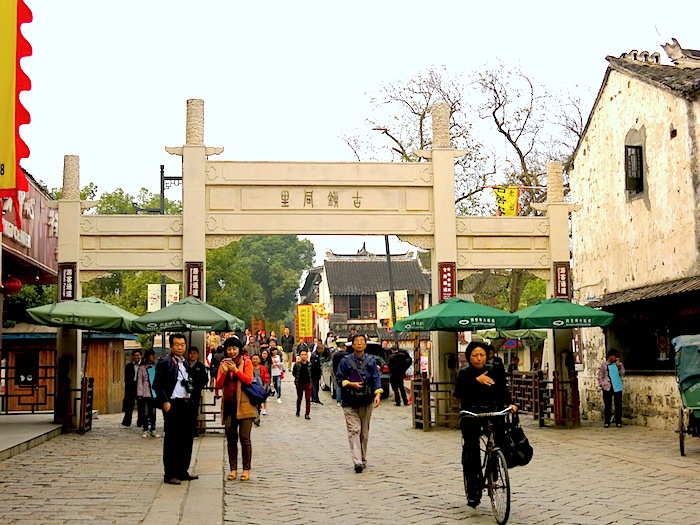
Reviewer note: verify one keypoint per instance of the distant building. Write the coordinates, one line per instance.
(347, 286)
(636, 173)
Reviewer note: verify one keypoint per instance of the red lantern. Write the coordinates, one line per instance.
(11, 285)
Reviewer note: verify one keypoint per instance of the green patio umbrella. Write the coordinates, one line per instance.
(190, 314)
(557, 313)
(457, 315)
(89, 313)
(512, 334)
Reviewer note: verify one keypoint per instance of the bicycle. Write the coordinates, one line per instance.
(494, 468)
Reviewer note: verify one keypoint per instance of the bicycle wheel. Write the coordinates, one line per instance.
(499, 487)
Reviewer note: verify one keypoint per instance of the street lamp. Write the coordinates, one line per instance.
(165, 183)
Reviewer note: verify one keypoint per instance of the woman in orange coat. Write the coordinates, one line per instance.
(236, 411)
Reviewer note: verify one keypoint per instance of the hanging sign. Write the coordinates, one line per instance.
(195, 272)
(66, 281)
(506, 200)
(562, 281)
(447, 273)
(305, 321)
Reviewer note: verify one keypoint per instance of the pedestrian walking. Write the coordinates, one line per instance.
(260, 372)
(266, 363)
(287, 343)
(610, 374)
(199, 375)
(318, 356)
(276, 373)
(359, 376)
(336, 359)
(236, 411)
(478, 392)
(399, 361)
(145, 395)
(129, 400)
(173, 384)
(216, 358)
(302, 380)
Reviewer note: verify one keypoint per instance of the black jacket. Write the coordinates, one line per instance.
(301, 373)
(287, 343)
(398, 363)
(200, 378)
(166, 378)
(130, 379)
(316, 361)
(476, 397)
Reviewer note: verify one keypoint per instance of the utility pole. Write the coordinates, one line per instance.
(391, 290)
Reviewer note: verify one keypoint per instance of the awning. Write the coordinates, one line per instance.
(689, 284)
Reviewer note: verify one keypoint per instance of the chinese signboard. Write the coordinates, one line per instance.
(344, 329)
(562, 281)
(172, 295)
(66, 281)
(447, 272)
(194, 271)
(305, 320)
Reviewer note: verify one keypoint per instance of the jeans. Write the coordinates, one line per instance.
(315, 387)
(338, 393)
(277, 383)
(147, 409)
(304, 390)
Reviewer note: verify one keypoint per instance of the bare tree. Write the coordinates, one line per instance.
(401, 119)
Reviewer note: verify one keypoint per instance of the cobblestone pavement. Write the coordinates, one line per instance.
(302, 474)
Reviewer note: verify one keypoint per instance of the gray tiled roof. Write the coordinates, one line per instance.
(684, 81)
(652, 291)
(360, 276)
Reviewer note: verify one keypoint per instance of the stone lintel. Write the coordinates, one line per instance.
(395, 174)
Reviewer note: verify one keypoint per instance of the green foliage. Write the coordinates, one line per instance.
(119, 202)
(15, 305)
(496, 289)
(230, 284)
(258, 276)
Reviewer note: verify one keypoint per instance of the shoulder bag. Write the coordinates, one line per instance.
(359, 397)
(514, 444)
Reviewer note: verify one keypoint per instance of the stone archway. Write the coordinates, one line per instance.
(223, 200)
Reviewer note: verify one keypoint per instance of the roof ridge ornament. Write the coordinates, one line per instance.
(643, 56)
(682, 57)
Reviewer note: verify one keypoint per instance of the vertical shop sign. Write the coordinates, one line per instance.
(194, 272)
(66, 281)
(562, 281)
(447, 272)
(305, 320)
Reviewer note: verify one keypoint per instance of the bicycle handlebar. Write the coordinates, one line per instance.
(503, 412)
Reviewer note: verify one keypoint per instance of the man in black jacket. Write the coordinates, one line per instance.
(130, 388)
(200, 377)
(287, 343)
(398, 363)
(318, 356)
(173, 387)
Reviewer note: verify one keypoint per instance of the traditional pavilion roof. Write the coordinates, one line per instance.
(366, 273)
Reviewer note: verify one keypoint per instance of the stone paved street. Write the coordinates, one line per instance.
(302, 474)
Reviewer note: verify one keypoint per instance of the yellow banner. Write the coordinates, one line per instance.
(8, 92)
(320, 309)
(305, 320)
(506, 200)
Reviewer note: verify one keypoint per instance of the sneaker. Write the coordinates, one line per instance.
(155, 434)
(618, 425)
(279, 399)
(606, 425)
(263, 411)
(338, 403)
(307, 416)
(358, 468)
(298, 414)
(146, 434)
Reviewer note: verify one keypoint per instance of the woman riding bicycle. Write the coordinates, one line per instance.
(480, 388)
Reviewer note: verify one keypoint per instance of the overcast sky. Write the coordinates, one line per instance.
(284, 80)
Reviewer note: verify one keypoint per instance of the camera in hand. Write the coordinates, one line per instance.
(188, 385)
